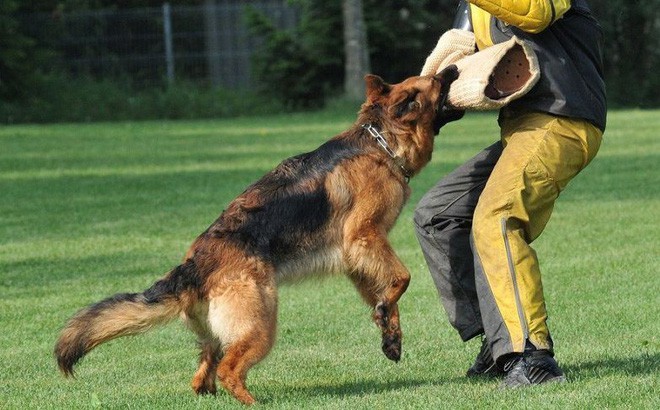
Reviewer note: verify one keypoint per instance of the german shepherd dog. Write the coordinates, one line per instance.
(325, 211)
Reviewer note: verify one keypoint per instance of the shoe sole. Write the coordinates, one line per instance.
(527, 383)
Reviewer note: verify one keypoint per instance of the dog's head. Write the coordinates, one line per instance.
(416, 101)
(409, 111)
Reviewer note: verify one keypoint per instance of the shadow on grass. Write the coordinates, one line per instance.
(643, 364)
(370, 387)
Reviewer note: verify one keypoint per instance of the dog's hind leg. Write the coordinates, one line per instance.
(204, 380)
(244, 318)
(239, 357)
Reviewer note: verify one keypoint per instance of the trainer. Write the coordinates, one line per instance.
(476, 225)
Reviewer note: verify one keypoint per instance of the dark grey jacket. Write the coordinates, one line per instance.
(570, 58)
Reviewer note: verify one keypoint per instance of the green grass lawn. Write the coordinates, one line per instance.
(87, 211)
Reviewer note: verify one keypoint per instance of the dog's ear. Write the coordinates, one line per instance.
(376, 87)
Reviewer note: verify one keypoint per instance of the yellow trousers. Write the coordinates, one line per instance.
(541, 154)
(475, 227)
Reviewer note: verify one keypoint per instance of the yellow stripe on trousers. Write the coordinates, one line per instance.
(542, 154)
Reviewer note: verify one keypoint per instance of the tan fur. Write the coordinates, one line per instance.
(88, 329)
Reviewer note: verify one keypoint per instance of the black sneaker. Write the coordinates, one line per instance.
(535, 367)
(484, 365)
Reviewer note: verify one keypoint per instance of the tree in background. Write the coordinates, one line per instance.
(299, 67)
(54, 6)
(306, 65)
(631, 51)
(400, 35)
(402, 32)
(356, 49)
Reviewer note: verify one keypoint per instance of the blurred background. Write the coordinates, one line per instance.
(103, 60)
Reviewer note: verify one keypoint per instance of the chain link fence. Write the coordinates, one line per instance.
(208, 44)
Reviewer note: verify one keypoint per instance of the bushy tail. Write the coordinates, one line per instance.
(126, 314)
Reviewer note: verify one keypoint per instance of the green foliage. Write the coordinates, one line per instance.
(631, 51)
(89, 210)
(285, 65)
(300, 68)
(69, 5)
(309, 57)
(56, 97)
(401, 34)
(16, 53)
(304, 66)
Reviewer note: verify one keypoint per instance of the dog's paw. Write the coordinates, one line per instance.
(204, 389)
(392, 346)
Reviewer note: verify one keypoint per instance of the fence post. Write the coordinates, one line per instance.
(167, 36)
(213, 47)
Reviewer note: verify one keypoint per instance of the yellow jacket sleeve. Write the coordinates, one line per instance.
(532, 16)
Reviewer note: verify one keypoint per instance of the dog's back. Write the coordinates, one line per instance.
(288, 212)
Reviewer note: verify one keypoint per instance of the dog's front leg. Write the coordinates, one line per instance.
(381, 278)
(387, 318)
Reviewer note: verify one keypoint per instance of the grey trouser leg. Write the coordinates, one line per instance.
(443, 222)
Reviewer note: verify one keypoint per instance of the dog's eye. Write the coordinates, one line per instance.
(407, 105)
(413, 105)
